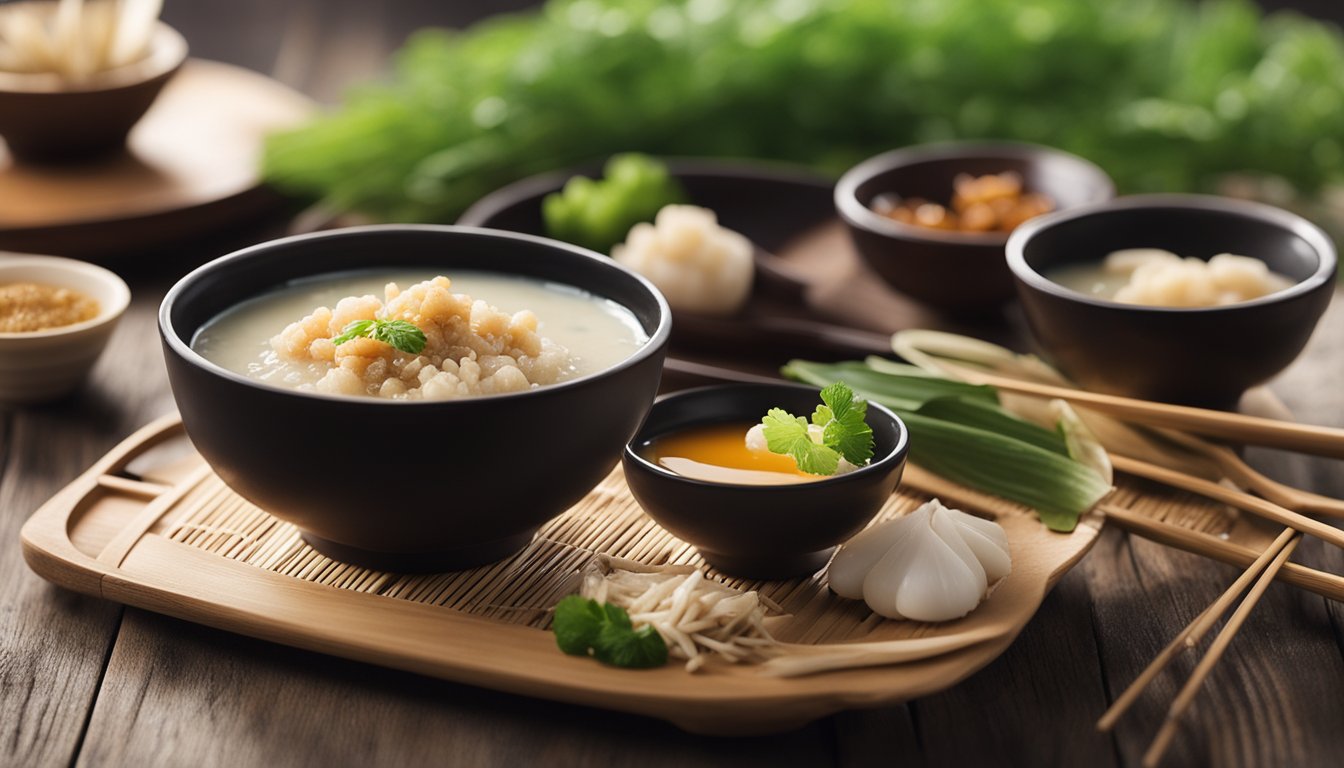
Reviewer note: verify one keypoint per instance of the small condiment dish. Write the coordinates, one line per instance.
(761, 531)
(45, 118)
(1198, 356)
(38, 366)
(959, 273)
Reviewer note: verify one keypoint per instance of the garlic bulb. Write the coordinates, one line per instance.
(697, 264)
(934, 564)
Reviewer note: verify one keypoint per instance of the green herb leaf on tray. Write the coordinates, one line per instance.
(583, 627)
(641, 648)
(401, 334)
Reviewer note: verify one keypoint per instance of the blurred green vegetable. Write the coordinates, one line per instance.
(599, 214)
(1164, 94)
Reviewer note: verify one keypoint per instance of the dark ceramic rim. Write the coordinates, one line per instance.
(1312, 234)
(896, 455)
(167, 52)
(507, 196)
(855, 213)
(657, 339)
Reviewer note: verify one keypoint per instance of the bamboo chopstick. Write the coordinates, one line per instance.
(1187, 695)
(1327, 585)
(1239, 499)
(1193, 632)
(1252, 430)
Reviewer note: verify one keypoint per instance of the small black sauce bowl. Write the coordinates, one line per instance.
(961, 274)
(761, 531)
(1195, 356)
(410, 486)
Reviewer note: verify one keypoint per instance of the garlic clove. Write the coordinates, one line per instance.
(925, 577)
(988, 541)
(852, 564)
(884, 581)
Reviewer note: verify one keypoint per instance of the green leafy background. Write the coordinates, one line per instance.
(1165, 94)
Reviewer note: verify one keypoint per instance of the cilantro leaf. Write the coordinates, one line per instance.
(844, 432)
(840, 399)
(788, 434)
(353, 330)
(400, 334)
(848, 431)
(584, 626)
(822, 416)
(641, 648)
(576, 624)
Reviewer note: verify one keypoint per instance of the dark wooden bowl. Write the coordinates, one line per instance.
(1206, 356)
(761, 531)
(961, 274)
(410, 486)
(45, 119)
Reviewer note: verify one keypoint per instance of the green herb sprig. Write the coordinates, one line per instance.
(400, 334)
(586, 627)
(844, 432)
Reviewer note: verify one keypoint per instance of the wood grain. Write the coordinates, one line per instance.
(269, 705)
(179, 694)
(53, 643)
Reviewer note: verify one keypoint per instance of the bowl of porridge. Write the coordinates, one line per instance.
(413, 398)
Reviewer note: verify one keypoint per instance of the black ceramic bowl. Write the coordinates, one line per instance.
(761, 531)
(960, 273)
(410, 486)
(1193, 356)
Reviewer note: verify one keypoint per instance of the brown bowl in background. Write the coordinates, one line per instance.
(962, 274)
(45, 118)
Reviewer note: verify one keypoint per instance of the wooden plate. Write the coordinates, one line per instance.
(152, 527)
(191, 168)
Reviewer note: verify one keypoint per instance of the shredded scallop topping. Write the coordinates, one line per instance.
(471, 348)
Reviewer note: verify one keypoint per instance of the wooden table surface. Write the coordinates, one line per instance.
(86, 682)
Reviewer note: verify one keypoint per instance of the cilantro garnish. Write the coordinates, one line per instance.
(397, 333)
(788, 434)
(843, 432)
(583, 627)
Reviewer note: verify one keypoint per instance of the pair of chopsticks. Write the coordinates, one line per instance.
(1236, 427)
(1258, 576)
(1276, 502)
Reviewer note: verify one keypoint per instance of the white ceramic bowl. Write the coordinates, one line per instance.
(44, 365)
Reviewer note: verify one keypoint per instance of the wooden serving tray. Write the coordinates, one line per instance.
(151, 526)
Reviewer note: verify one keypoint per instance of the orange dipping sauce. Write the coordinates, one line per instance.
(718, 453)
